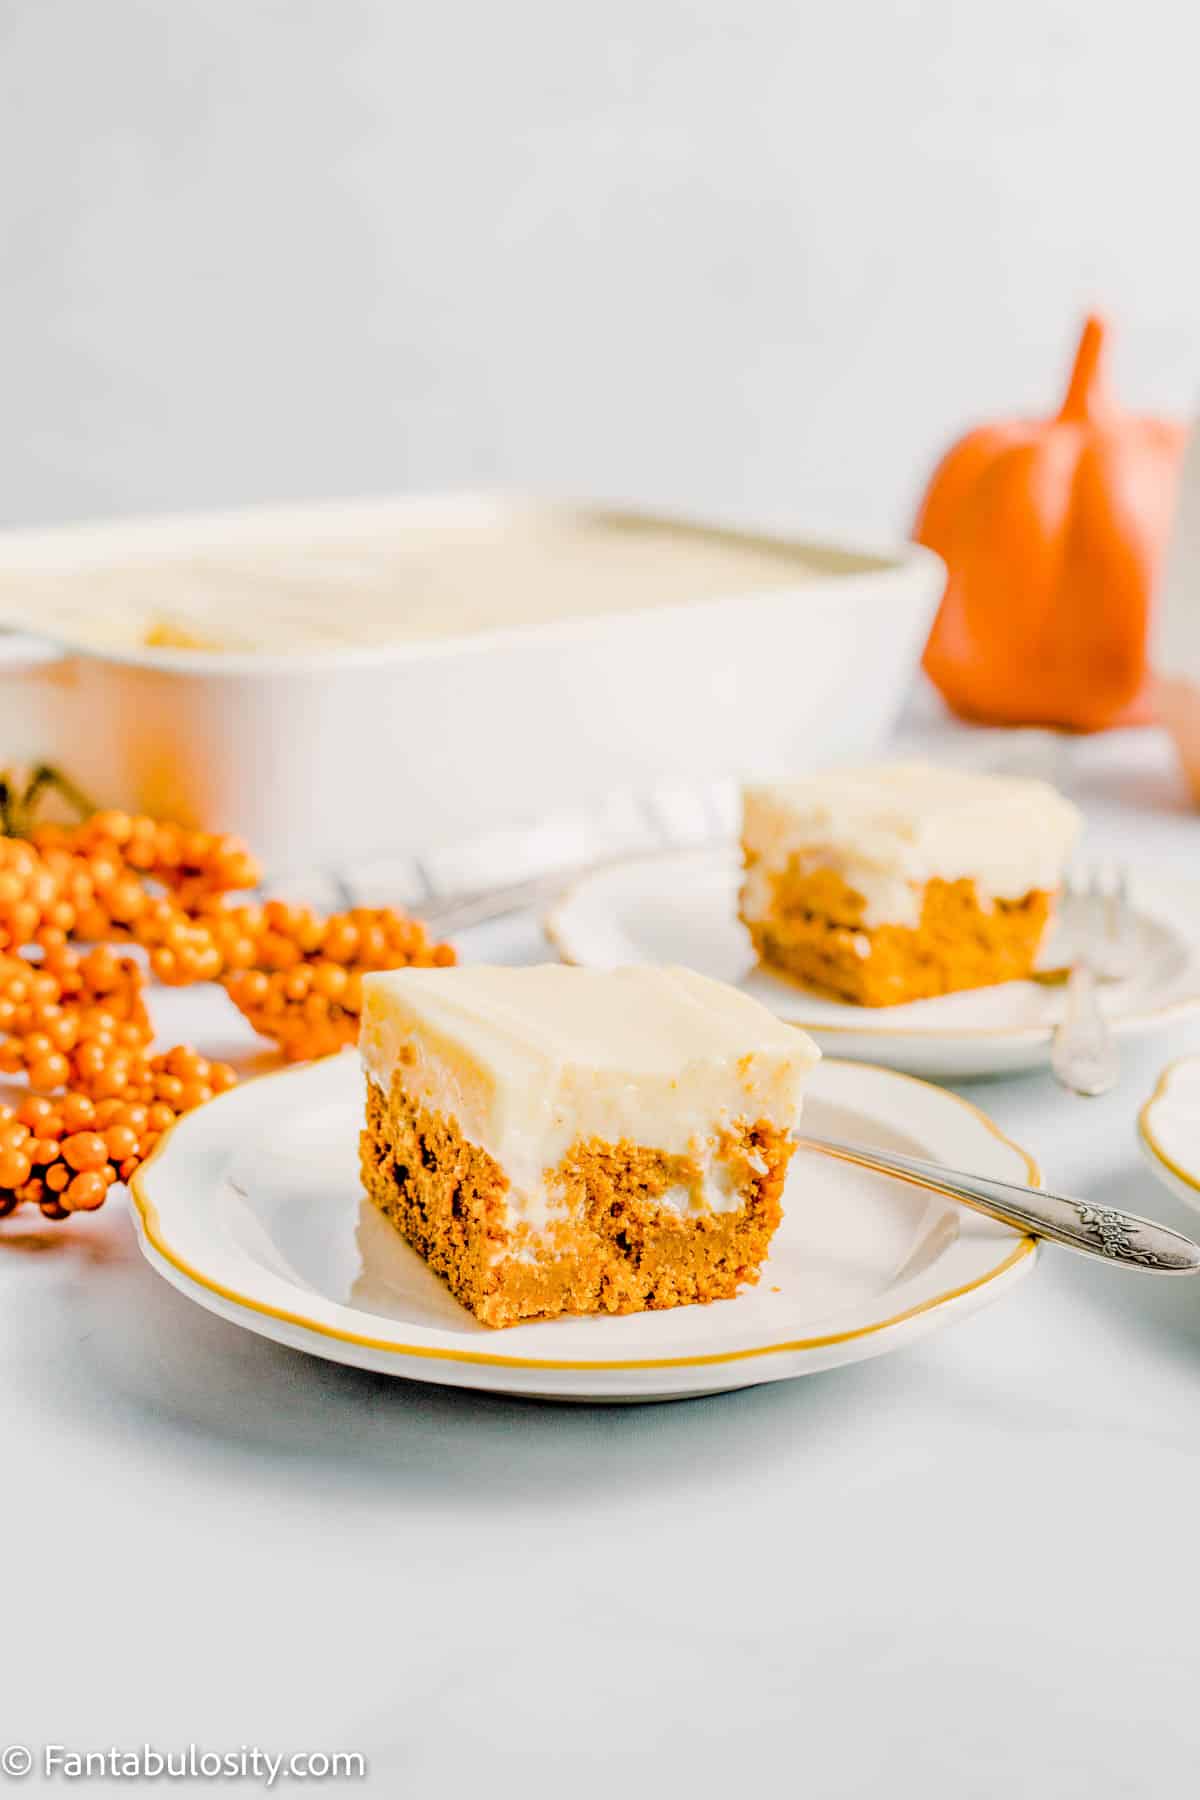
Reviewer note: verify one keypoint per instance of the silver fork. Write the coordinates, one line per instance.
(1117, 948)
(1095, 1230)
(1099, 927)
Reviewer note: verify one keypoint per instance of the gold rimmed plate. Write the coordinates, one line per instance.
(682, 908)
(252, 1207)
(1169, 1129)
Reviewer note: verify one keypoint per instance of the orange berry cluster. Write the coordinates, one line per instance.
(30, 895)
(90, 882)
(190, 863)
(304, 988)
(180, 1078)
(93, 881)
(76, 1020)
(64, 1154)
(68, 1009)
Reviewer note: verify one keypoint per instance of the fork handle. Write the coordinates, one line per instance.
(1116, 1237)
(1084, 1052)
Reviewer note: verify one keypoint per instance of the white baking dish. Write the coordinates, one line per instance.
(329, 756)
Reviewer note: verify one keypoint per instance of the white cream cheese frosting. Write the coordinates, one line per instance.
(412, 583)
(890, 828)
(530, 1061)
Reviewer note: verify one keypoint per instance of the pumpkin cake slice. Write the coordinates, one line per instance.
(558, 1140)
(902, 881)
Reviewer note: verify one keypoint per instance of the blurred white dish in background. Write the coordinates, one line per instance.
(1169, 1129)
(327, 754)
(253, 1207)
(682, 908)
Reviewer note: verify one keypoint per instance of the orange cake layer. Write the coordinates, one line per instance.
(618, 1247)
(557, 1140)
(813, 933)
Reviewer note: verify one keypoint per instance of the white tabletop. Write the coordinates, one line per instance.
(963, 1570)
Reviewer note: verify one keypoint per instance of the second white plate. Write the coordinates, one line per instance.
(682, 908)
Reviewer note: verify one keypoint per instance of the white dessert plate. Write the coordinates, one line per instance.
(252, 1207)
(1169, 1129)
(682, 908)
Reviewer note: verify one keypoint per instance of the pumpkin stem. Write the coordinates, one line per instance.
(1085, 395)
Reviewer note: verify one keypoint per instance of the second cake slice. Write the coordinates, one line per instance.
(902, 881)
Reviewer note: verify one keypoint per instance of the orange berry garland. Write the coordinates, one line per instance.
(30, 891)
(192, 863)
(65, 1007)
(74, 1024)
(64, 1154)
(304, 990)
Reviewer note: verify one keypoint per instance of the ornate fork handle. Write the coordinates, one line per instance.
(1117, 1237)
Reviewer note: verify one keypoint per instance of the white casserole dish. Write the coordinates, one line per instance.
(323, 757)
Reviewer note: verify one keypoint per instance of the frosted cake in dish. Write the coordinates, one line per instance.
(557, 1140)
(368, 577)
(902, 881)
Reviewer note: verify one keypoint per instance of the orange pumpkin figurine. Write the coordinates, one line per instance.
(1052, 531)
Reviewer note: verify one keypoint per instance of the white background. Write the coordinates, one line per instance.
(763, 258)
(760, 258)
